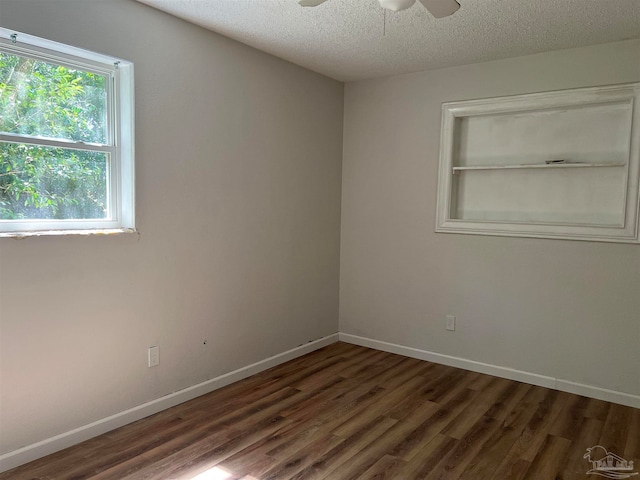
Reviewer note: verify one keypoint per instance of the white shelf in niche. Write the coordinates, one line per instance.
(559, 164)
(537, 165)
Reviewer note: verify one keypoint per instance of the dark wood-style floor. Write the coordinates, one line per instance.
(347, 412)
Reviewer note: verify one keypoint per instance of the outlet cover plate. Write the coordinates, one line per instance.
(451, 323)
(154, 356)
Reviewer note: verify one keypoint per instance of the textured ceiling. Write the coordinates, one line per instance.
(350, 39)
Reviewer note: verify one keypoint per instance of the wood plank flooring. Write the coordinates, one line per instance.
(346, 412)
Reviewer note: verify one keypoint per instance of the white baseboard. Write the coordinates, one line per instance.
(612, 396)
(59, 442)
(498, 371)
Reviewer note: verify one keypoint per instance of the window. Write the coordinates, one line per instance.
(66, 138)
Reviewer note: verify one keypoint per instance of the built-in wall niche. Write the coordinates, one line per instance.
(559, 164)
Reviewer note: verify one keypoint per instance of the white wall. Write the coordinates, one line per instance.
(562, 309)
(238, 203)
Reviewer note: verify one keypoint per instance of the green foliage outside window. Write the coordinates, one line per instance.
(43, 100)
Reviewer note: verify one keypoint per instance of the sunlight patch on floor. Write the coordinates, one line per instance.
(215, 473)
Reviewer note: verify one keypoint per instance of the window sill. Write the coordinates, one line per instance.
(56, 233)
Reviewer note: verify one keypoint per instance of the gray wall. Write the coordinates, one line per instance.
(238, 202)
(238, 196)
(563, 309)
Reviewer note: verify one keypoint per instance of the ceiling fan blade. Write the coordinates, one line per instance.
(311, 3)
(441, 8)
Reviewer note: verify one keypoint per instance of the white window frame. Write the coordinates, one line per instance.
(119, 140)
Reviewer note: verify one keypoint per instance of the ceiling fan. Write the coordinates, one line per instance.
(437, 8)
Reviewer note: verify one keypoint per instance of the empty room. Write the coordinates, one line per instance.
(306, 239)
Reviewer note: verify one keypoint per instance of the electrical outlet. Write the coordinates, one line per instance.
(451, 322)
(154, 356)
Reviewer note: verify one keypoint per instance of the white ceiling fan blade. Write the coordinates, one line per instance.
(441, 8)
(311, 3)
